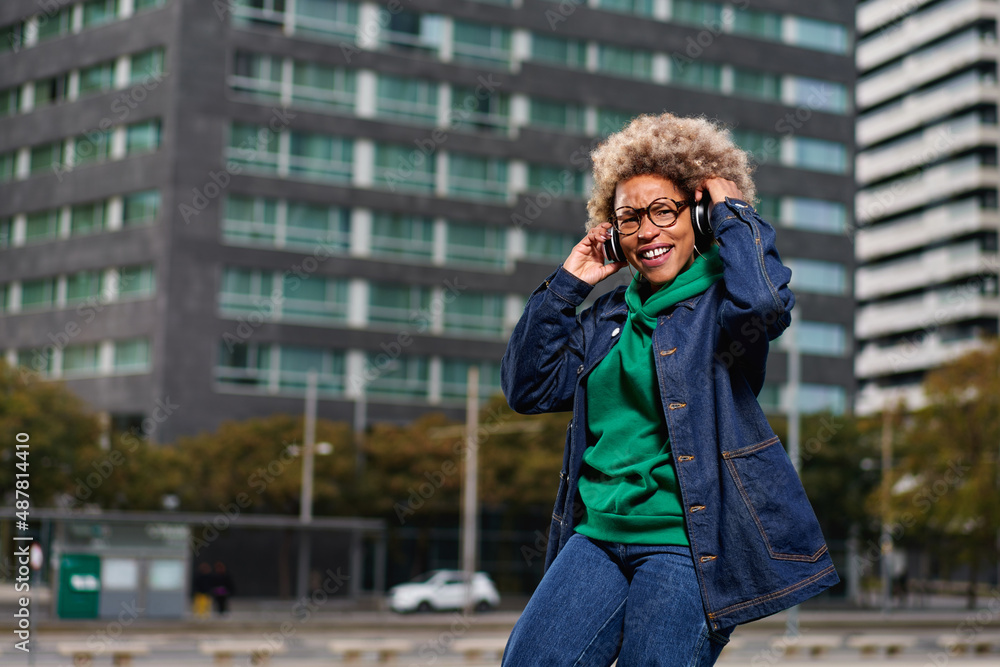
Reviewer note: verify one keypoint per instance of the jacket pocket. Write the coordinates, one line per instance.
(776, 501)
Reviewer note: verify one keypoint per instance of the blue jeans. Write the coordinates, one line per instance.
(602, 600)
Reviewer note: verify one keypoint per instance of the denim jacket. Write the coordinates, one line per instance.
(756, 543)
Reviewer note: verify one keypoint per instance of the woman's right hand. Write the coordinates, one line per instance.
(586, 259)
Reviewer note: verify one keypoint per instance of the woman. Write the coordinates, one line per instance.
(678, 515)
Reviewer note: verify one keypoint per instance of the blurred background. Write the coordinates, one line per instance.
(251, 249)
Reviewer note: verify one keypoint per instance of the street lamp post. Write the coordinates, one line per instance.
(470, 498)
(305, 499)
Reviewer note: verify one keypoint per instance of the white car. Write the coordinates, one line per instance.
(443, 589)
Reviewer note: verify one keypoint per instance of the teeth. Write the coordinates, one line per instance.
(655, 252)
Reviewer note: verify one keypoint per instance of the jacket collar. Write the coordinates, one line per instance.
(617, 307)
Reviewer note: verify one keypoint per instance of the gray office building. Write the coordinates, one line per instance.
(205, 199)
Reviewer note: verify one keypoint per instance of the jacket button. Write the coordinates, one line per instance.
(664, 353)
(580, 369)
(616, 332)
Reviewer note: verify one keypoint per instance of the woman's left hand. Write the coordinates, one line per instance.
(718, 189)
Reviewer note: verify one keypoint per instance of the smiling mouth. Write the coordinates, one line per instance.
(655, 253)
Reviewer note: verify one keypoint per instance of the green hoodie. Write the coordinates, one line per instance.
(627, 481)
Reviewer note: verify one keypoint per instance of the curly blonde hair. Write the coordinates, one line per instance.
(685, 150)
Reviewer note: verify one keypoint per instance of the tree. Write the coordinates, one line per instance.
(946, 478)
(257, 465)
(62, 436)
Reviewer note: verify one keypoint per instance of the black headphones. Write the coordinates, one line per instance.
(700, 219)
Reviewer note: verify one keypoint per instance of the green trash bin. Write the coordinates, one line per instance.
(79, 586)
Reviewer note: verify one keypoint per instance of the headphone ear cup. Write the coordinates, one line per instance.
(702, 215)
(613, 247)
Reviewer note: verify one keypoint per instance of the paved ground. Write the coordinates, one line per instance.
(305, 636)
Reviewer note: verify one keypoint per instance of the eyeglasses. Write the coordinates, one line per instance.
(661, 212)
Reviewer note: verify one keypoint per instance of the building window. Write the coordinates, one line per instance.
(389, 303)
(814, 215)
(765, 25)
(558, 51)
(455, 378)
(143, 5)
(404, 376)
(37, 360)
(243, 364)
(140, 208)
(268, 14)
(406, 99)
(762, 147)
(334, 88)
(474, 312)
(547, 247)
(697, 74)
(41, 226)
(473, 109)
(48, 157)
(610, 121)
(310, 225)
(821, 338)
(81, 359)
(97, 78)
(51, 91)
(752, 83)
(409, 31)
(92, 147)
(557, 115)
(53, 25)
(400, 166)
(819, 94)
(40, 293)
(146, 66)
(820, 155)
(254, 147)
(136, 281)
(315, 298)
(246, 291)
(557, 181)
(10, 101)
(641, 7)
(820, 35)
(399, 235)
(624, 62)
(83, 286)
(697, 13)
(297, 361)
(142, 137)
(258, 75)
(99, 12)
(132, 356)
(250, 220)
(8, 164)
(481, 44)
(320, 156)
(326, 19)
(6, 232)
(477, 177)
(476, 244)
(818, 276)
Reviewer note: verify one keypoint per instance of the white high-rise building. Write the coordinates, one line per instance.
(927, 139)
